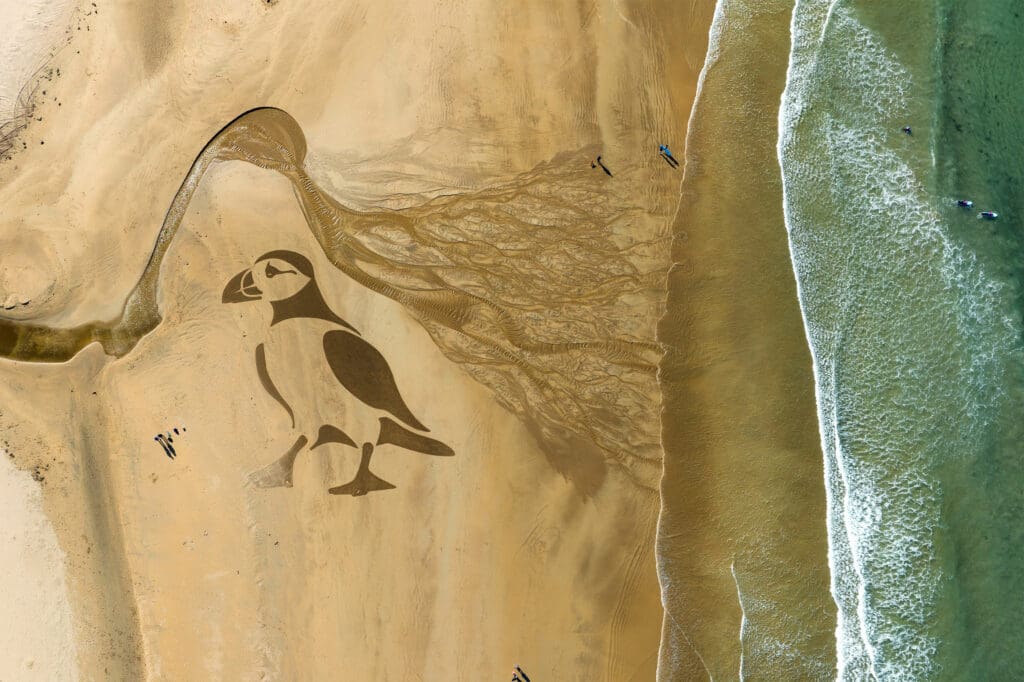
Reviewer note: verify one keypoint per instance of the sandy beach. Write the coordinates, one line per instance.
(422, 129)
(742, 539)
(381, 340)
(37, 631)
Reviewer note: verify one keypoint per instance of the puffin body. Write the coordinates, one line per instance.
(356, 401)
(298, 341)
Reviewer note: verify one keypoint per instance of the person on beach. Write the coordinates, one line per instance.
(519, 672)
(603, 167)
(667, 154)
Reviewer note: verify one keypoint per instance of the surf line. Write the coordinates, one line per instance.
(743, 613)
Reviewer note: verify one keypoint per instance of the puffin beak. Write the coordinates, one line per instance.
(241, 288)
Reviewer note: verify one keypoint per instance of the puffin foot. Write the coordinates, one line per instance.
(278, 474)
(363, 483)
(274, 475)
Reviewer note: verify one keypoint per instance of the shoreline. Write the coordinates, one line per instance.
(740, 415)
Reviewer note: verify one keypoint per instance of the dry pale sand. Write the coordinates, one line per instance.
(433, 165)
(742, 533)
(36, 629)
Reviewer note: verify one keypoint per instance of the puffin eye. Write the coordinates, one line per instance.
(274, 272)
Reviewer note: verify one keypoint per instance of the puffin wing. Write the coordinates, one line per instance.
(268, 383)
(364, 372)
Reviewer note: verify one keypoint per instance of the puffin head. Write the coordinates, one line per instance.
(275, 276)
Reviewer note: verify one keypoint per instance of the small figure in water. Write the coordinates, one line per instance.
(907, 130)
(988, 215)
(666, 154)
(603, 167)
(965, 203)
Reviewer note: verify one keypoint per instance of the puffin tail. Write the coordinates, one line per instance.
(396, 434)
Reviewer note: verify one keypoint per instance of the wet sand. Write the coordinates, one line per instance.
(742, 540)
(177, 569)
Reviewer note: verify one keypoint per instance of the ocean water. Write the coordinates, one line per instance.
(912, 308)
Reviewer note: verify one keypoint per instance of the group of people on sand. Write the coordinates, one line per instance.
(663, 151)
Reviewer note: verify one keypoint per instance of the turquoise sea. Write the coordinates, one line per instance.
(913, 310)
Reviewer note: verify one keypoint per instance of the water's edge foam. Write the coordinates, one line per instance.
(911, 330)
(664, 580)
(784, 117)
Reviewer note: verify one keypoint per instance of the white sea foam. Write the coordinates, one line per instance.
(904, 325)
(718, 24)
(743, 614)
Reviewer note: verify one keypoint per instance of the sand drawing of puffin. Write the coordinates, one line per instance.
(374, 412)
